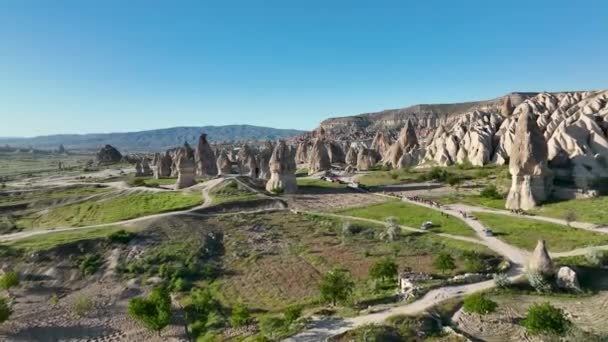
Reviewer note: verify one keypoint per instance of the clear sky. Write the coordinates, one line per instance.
(125, 65)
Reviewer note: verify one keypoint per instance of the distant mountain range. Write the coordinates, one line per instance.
(153, 140)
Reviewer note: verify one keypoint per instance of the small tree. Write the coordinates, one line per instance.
(272, 326)
(474, 262)
(383, 269)
(5, 309)
(545, 319)
(153, 312)
(444, 262)
(597, 257)
(240, 315)
(539, 282)
(336, 285)
(393, 231)
(479, 304)
(9, 280)
(569, 217)
(502, 280)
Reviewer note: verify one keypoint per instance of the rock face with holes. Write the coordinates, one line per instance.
(108, 155)
(224, 165)
(204, 158)
(163, 165)
(186, 169)
(318, 159)
(540, 261)
(531, 179)
(282, 170)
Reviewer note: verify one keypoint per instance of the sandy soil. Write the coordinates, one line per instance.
(322, 199)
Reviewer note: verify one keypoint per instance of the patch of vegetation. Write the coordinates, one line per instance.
(396, 328)
(90, 263)
(230, 191)
(474, 200)
(545, 319)
(116, 209)
(120, 236)
(336, 286)
(525, 232)
(9, 280)
(592, 210)
(82, 306)
(5, 309)
(444, 262)
(479, 303)
(413, 216)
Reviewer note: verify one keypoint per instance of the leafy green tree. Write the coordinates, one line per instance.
(154, 312)
(336, 285)
(383, 269)
(474, 262)
(479, 304)
(545, 319)
(9, 280)
(240, 315)
(444, 262)
(5, 309)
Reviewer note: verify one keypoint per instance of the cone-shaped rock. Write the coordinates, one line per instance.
(351, 157)
(403, 152)
(366, 158)
(108, 155)
(507, 107)
(381, 142)
(318, 159)
(138, 170)
(247, 163)
(540, 261)
(145, 167)
(302, 152)
(335, 152)
(163, 165)
(531, 178)
(224, 165)
(282, 170)
(205, 158)
(264, 160)
(186, 170)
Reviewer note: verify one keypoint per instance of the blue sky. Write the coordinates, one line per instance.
(101, 66)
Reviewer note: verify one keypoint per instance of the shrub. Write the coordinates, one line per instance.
(138, 182)
(479, 304)
(9, 280)
(89, 264)
(82, 305)
(54, 299)
(5, 309)
(490, 191)
(292, 313)
(545, 319)
(597, 257)
(120, 236)
(474, 262)
(272, 326)
(277, 190)
(240, 315)
(502, 280)
(569, 217)
(539, 282)
(453, 180)
(154, 312)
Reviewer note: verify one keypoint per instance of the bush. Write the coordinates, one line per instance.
(9, 280)
(383, 270)
(277, 190)
(5, 309)
(336, 285)
(502, 281)
(292, 313)
(89, 264)
(120, 236)
(444, 262)
(82, 305)
(479, 304)
(597, 257)
(240, 315)
(490, 191)
(474, 262)
(545, 319)
(539, 282)
(138, 182)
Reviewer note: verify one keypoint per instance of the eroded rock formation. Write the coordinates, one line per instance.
(318, 159)
(404, 151)
(282, 167)
(224, 165)
(540, 261)
(263, 160)
(366, 159)
(186, 169)
(163, 165)
(108, 155)
(335, 152)
(531, 179)
(205, 158)
(247, 163)
(302, 152)
(351, 157)
(381, 142)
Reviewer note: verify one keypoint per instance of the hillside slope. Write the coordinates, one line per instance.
(153, 140)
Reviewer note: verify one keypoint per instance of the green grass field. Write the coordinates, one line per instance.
(524, 233)
(26, 164)
(592, 210)
(55, 239)
(230, 192)
(474, 200)
(112, 210)
(412, 215)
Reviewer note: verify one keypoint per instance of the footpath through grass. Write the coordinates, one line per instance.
(524, 233)
(312, 182)
(412, 215)
(113, 210)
